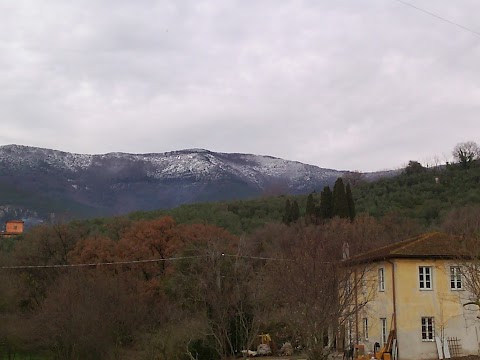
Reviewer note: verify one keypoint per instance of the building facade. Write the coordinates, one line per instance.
(12, 228)
(415, 292)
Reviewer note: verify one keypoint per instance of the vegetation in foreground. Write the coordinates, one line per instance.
(206, 294)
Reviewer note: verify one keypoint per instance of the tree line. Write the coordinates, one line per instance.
(205, 294)
(338, 203)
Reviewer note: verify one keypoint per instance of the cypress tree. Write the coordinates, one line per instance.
(350, 202)
(340, 203)
(326, 203)
(287, 215)
(295, 211)
(310, 211)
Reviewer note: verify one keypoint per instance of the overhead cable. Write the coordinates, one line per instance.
(24, 267)
(131, 262)
(439, 17)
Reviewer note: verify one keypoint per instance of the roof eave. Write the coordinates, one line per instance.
(405, 256)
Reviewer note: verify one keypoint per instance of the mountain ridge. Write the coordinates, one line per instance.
(115, 183)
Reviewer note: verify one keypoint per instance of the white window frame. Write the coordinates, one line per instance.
(425, 277)
(365, 329)
(381, 279)
(383, 327)
(428, 328)
(456, 278)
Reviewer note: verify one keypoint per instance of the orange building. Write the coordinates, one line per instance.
(12, 228)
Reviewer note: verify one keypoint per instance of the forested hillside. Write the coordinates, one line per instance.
(421, 194)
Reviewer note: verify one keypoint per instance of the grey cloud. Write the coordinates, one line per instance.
(341, 84)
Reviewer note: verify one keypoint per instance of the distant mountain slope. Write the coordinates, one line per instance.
(36, 182)
(426, 196)
(416, 200)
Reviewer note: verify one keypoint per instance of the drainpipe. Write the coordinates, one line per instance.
(394, 305)
(356, 307)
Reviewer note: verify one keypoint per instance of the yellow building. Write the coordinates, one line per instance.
(415, 291)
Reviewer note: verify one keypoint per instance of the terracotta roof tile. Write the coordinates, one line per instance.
(430, 245)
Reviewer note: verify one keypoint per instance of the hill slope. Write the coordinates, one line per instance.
(35, 182)
(424, 197)
(427, 195)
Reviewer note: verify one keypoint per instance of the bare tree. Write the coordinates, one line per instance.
(313, 291)
(464, 221)
(466, 152)
(173, 339)
(221, 284)
(464, 226)
(42, 245)
(91, 315)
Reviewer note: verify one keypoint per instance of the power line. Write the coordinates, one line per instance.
(256, 257)
(25, 267)
(274, 259)
(128, 262)
(439, 17)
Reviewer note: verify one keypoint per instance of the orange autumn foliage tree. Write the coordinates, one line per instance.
(94, 250)
(125, 303)
(154, 239)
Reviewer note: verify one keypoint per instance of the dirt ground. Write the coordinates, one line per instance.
(299, 357)
(293, 357)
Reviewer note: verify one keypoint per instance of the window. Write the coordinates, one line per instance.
(365, 328)
(428, 329)
(425, 277)
(455, 278)
(383, 323)
(381, 279)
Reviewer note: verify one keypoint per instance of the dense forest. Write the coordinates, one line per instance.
(202, 281)
(425, 195)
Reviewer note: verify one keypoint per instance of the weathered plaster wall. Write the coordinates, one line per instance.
(445, 305)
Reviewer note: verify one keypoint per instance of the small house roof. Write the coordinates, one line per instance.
(426, 246)
(15, 221)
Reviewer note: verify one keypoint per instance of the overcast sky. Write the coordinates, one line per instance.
(344, 84)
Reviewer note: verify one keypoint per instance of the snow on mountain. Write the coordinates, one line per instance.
(199, 164)
(48, 181)
(17, 156)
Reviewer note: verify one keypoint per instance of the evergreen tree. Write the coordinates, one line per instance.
(414, 167)
(340, 203)
(295, 211)
(326, 203)
(351, 204)
(287, 215)
(311, 211)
